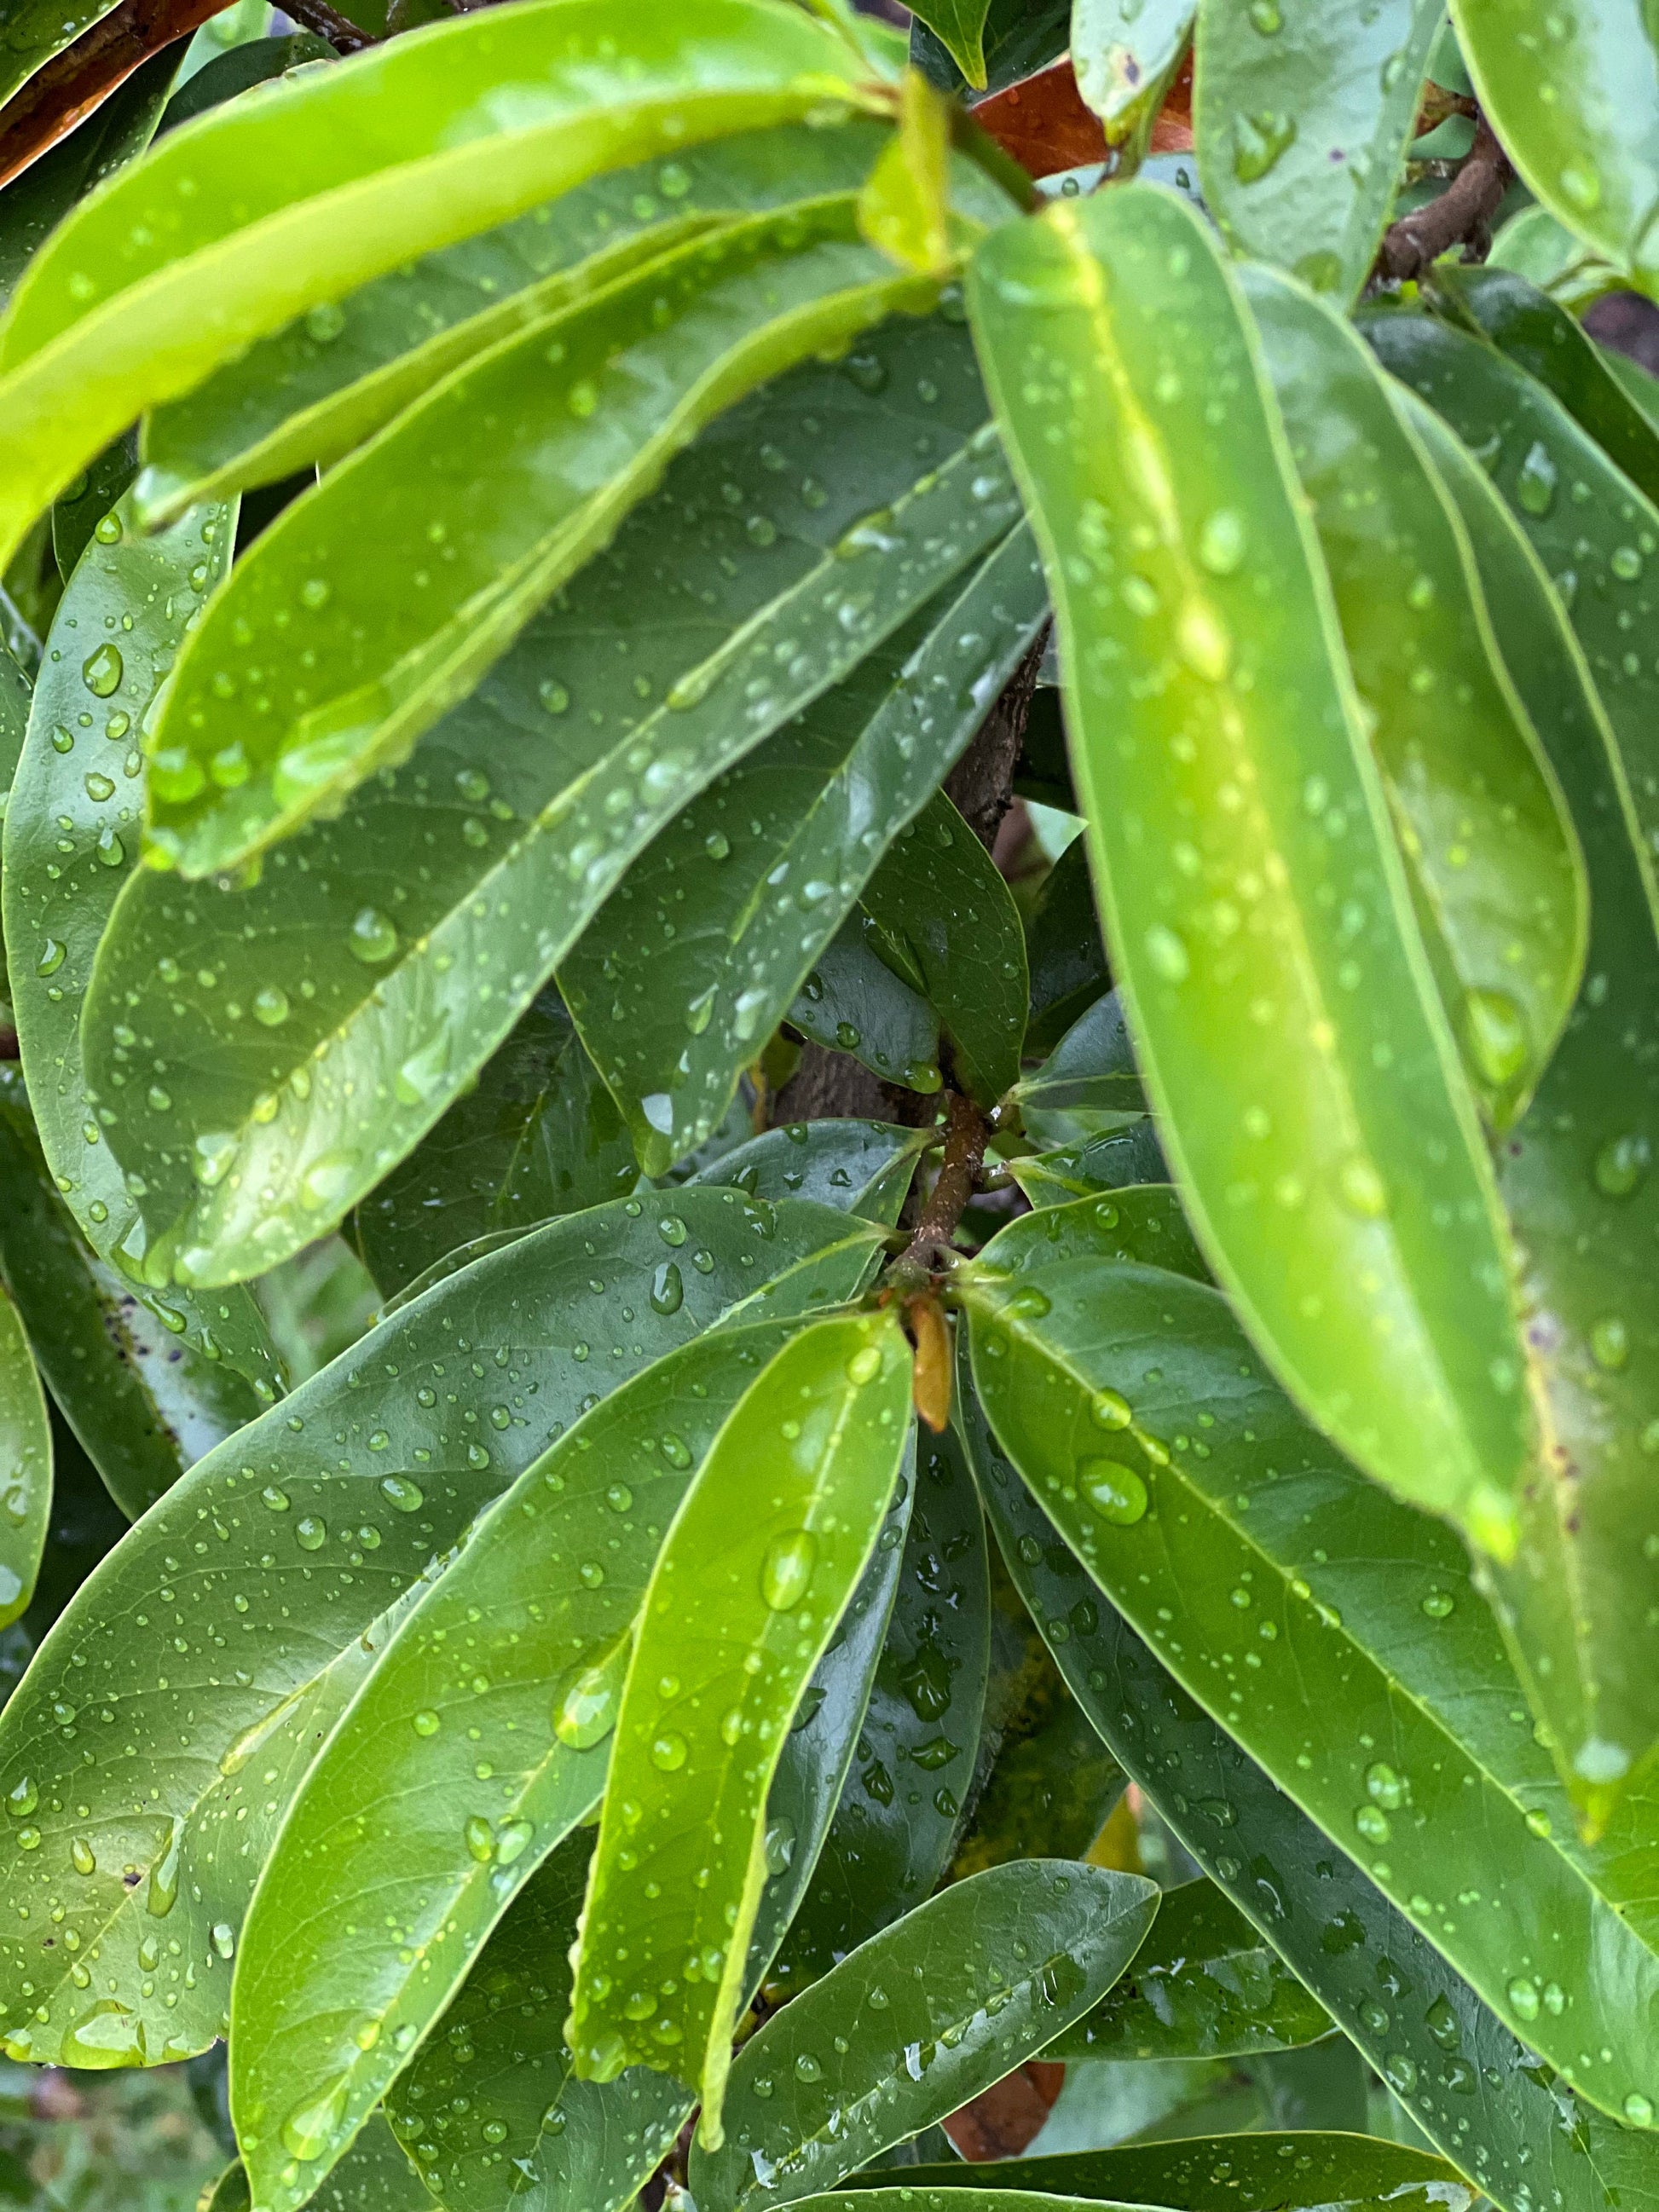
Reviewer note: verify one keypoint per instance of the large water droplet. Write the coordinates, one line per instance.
(786, 1570)
(1115, 1493)
(102, 671)
(1535, 482)
(1496, 1034)
(373, 937)
(310, 2128)
(1259, 142)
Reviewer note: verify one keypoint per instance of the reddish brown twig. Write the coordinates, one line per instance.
(966, 1132)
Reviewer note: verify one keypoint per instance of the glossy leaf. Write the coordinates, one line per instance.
(240, 69)
(1018, 37)
(1092, 1372)
(1130, 1155)
(701, 948)
(901, 1807)
(1049, 1788)
(1352, 1218)
(539, 1135)
(851, 1001)
(1477, 2094)
(1303, 114)
(36, 30)
(121, 326)
(1204, 1984)
(194, 1833)
(1063, 950)
(1125, 54)
(144, 1402)
(1590, 541)
(516, 804)
(933, 2011)
(377, 656)
(1575, 1177)
(1574, 97)
(314, 390)
(865, 1167)
(945, 918)
(1639, 384)
(1497, 874)
(24, 1465)
(959, 27)
(1090, 1080)
(698, 1735)
(71, 839)
(89, 499)
(514, 1658)
(374, 2176)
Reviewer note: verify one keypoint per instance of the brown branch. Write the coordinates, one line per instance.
(342, 34)
(965, 1131)
(1461, 216)
(981, 784)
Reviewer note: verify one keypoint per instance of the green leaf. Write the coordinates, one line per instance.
(538, 1136)
(1301, 113)
(931, 2011)
(89, 499)
(1018, 37)
(25, 1466)
(143, 1401)
(1497, 874)
(513, 1659)
(527, 802)
(377, 656)
(1574, 101)
(865, 1167)
(959, 27)
(374, 2176)
(1639, 383)
(1375, 1660)
(698, 1735)
(851, 1001)
(904, 207)
(291, 200)
(1063, 949)
(901, 1807)
(1590, 543)
(38, 29)
(674, 1000)
(1577, 1177)
(1480, 2095)
(946, 920)
(1312, 1108)
(72, 838)
(254, 61)
(1204, 1984)
(314, 390)
(1537, 246)
(1131, 1155)
(413, 1472)
(1049, 1787)
(1089, 1080)
(1126, 55)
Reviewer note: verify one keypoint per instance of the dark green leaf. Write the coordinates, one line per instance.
(1049, 1788)
(539, 1135)
(1131, 1155)
(89, 499)
(25, 1466)
(959, 27)
(918, 2021)
(865, 1167)
(1063, 950)
(851, 1001)
(1018, 36)
(256, 61)
(1089, 1077)
(374, 2176)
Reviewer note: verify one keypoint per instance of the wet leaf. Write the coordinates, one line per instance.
(239, 70)
(24, 1465)
(1049, 1789)
(1350, 1212)
(540, 1135)
(1140, 1422)
(78, 79)
(1497, 874)
(851, 1001)
(701, 948)
(527, 803)
(1125, 54)
(917, 2020)
(1204, 1984)
(1130, 1155)
(900, 1806)
(1574, 97)
(1575, 1177)
(1018, 37)
(865, 1167)
(1063, 950)
(374, 2176)
(1090, 1081)
(904, 207)
(413, 1455)
(1303, 110)
(1477, 2094)
(121, 327)
(944, 919)
(959, 27)
(143, 1401)
(759, 1563)
(71, 841)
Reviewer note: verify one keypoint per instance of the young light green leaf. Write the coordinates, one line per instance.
(959, 27)
(24, 1465)
(514, 1659)
(1125, 54)
(759, 1562)
(1091, 1372)
(851, 1001)
(1302, 113)
(1575, 99)
(775, 853)
(1497, 873)
(904, 207)
(1063, 949)
(527, 803)
(1130, 1155)
(601, 397)
(1576, 1179)
(945, 920)
(72, 840)
(539, 1135)
(1204, 1984)
(900, 1808)
(1478, 2094)
(412, 1455)
(865, 1168)
(916, 2021)
(265, 209)
(144, 1402)
(1350, 1210)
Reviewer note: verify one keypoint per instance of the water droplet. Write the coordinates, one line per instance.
(83, 1857)
(425, 1722)
(1266, 17)
(1108, 1410)
(1535, 484)
(224, 1939)
(1582, 186)
(864, 1366)
(1524, 1996)
(1625, 564)
(311, 1532)
(374, 938)
(310, 2129)
(480, 1839)
(161, 1890)
(1373, 1824)
(1167, 954)
(1610, 1343)
(1115, 1493)
(1638, 2110)
(1496, 1035)
(98, 788)
(1539, 1823)
(672, 1230)
(1438, 1603)
(1259, 142)
(584, 1712)
(1385, 1786)
(270, 1005)
(1620, 1165)
(787, 1570)
(399, 1492)
(276, 1499)
(513, 1839)
(667, 1290)
(102, 671)
(51, 958)
(668, 1753)
(807, 2068)
(1221, 542)
(22, 1799)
